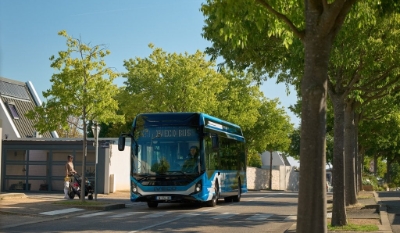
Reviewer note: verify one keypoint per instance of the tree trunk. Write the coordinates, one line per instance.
(270, 170)
(311, 211)
(360, 167)
(388, 177)
(349, 145)
(358, 156)
(338, 181)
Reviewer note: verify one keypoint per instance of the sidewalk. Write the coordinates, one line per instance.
(368, 202)
(32, 207)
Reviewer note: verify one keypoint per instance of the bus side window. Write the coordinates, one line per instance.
(212, 158)
(214, 141)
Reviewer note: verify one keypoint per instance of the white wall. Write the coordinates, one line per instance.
(276, 159)
(8, 128)
(119, 166)
(283, 178)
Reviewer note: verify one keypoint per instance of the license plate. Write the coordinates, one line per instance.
(163, 198)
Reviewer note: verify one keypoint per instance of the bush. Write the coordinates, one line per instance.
(370, 180)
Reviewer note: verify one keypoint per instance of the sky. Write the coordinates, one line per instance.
(28, 36)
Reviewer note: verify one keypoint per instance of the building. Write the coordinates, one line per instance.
(16, 99)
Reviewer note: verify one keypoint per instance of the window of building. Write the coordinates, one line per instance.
(13, 110)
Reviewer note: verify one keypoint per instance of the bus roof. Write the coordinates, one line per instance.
(188, 118)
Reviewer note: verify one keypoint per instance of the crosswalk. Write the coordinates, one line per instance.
(146, 215)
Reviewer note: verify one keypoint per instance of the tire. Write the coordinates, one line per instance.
(152, 204)
(239, 195)
(213, 202)
(71, 193)
(90, 197)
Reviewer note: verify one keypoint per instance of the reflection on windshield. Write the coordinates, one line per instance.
(160, 152)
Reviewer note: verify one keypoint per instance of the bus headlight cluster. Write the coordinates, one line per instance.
(197, 188)
(134, 187)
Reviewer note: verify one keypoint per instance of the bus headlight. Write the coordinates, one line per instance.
(134, 187)
(197, 188)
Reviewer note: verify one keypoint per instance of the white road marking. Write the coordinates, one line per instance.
(291, 218)
(156, 215)
(126, 214)
(224, 216)
(158, 224)
(92, 215)
(259, 217)
(207, 210)
(185, 215)
(63, 211)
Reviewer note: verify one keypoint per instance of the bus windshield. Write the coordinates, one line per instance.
(166, 150)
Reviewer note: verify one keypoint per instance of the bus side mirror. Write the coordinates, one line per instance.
(121, 143)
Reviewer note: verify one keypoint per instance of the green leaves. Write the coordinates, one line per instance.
(82, 87)
(171, 83)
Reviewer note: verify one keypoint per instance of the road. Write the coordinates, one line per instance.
(257, 212)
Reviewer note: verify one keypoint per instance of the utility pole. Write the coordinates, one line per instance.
(96, 131)
(270, 170)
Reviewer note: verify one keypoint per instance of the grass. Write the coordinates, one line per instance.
(80, 203)
(365, 196)
(353, 227)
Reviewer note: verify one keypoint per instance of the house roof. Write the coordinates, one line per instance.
(18, 99)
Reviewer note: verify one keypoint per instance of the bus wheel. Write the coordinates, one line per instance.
(151, 204)
(213, 202)
(239, 195)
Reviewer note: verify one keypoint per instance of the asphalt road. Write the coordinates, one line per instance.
(392, 201)
(257, 212)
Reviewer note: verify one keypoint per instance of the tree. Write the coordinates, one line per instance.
(244, 25)
(74, 129)
(78, 90)
(253, 158)
(363, 67)
(187, 82)
(294, 148)
(170, 82)
(271, 132)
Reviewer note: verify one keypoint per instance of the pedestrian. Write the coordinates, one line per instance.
(69, 173)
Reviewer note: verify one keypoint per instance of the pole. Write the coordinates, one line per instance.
(96, 131)
(97, 159)
(270, 171)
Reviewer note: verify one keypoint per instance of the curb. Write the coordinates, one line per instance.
(385, 227)
(4, 196)
(292, 229)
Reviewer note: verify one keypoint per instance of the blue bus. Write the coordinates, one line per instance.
(185, 157)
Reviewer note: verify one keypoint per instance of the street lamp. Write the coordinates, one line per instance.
(96, 131)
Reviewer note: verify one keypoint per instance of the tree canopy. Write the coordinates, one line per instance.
(82, 88)
(189, 83)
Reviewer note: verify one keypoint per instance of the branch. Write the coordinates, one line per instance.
(377, 94)
(295, 30)
(353, 81)
(334, 15)
(371, 86)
